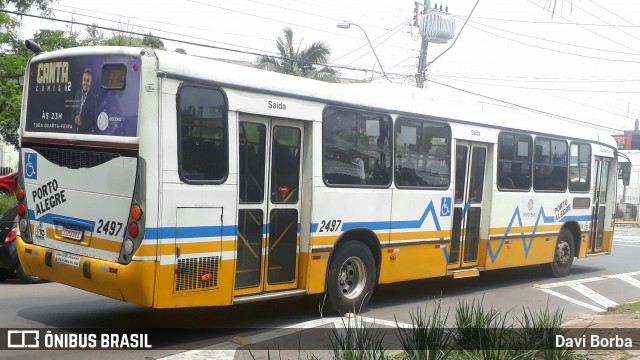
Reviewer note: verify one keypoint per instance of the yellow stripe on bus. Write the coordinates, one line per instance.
(515, 230)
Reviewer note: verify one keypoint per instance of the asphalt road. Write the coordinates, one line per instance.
(594, 284)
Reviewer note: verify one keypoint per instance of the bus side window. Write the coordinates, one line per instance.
(203, 135)
(211, 156)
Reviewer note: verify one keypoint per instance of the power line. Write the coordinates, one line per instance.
(554, 95)
(149, 20)
(541, 88)
(617, 28)
(309, 13)
(576, 121)
(215, 47)
(591, 31)
(533, 79)
(554, 50)
(457, 36)
(553, 41)
(276, 20)
(162, 31)
(614, 14)
(175, 40)
(396, 29)
(548, 22)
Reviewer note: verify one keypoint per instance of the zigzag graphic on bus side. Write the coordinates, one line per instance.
(401, 224)
(527, 246)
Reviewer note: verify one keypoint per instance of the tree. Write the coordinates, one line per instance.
(12, 64)
(50, 40)
(153, 42)
(14, 56)
(25, 5)
(128, 40)
(298, 62)
(94, 36)
(13, 59)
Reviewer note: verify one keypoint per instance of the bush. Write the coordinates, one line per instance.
(6, 201)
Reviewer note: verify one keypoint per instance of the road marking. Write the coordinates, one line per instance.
(589, 293)
(227, 350)
(572, 300)
(578, 285)
(628, 279)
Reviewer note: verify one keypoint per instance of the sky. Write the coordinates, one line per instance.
(580, 61)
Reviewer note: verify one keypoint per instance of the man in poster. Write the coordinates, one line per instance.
(84, 111)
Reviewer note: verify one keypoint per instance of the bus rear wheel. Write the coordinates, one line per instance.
(29, 279)
(351, 277)
(562, 256)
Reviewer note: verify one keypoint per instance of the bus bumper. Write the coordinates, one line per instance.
(117, 281)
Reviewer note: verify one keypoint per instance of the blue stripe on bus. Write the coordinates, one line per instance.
(392, 225)
(53, 219)
(191, 232)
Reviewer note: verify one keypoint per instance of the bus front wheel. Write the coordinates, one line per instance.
(562, 255)
(351, 277)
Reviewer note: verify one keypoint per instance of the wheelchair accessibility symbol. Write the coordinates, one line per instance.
(31, 166)
(445, 206)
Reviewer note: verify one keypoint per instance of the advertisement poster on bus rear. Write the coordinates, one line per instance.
(96, 95)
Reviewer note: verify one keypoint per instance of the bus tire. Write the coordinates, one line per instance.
(562, 256)
(351, 277)
(29, 279)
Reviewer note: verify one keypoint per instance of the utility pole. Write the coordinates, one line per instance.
(422, 59)
(435, 26)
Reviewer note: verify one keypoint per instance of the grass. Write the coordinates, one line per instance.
(624, 308)
(428, 338)
(478, 333)
(6, 201)
(358, 341)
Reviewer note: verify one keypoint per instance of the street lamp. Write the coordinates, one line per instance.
(347, 25)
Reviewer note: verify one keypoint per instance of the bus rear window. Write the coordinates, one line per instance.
(114, 76)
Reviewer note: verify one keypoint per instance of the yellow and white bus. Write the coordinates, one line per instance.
(169, 180)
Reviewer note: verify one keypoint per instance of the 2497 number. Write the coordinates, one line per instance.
(329, 225)
(109, 227)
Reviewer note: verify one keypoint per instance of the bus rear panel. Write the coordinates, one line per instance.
(80, 205)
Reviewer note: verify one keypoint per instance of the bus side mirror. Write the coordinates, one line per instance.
(624, 173)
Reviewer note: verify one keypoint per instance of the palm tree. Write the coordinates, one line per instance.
(298, 62)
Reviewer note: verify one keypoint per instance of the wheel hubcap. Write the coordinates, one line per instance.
(563, 253)
(352, 277)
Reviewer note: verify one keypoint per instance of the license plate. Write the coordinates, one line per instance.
(72, 233)
(67, 259)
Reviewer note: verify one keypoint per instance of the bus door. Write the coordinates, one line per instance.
(269, 183)
(598, 219)
(471, 165)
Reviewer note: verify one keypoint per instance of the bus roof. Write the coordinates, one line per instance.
(384, 96)
(393, 98)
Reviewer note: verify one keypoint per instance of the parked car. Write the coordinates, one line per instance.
(9, 262)
(9, 183)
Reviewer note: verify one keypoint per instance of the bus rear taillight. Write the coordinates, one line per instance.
(132, 229)
(19, 194)
(22, 210)
(136, 212)
(136, 222)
